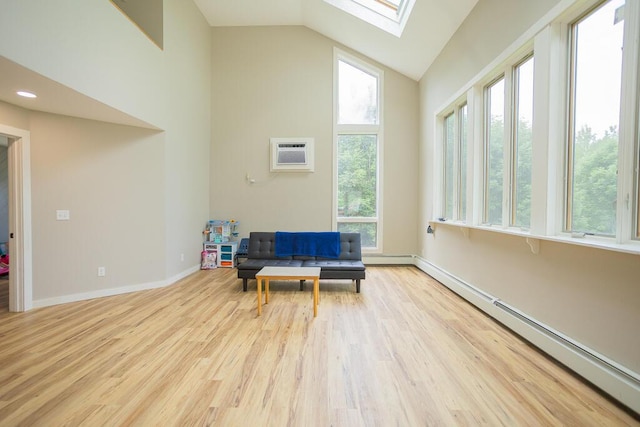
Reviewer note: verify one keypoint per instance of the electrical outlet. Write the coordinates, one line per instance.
(63, 215)
(102, 271)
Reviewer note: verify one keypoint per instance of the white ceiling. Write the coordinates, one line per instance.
(430, 26)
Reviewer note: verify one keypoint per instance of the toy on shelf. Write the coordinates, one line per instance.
(221, 231)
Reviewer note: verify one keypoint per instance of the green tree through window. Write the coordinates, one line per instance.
(357, 184)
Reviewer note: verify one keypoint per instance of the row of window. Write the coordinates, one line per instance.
(563, 134)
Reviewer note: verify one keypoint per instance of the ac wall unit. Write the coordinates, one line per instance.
(291, 155)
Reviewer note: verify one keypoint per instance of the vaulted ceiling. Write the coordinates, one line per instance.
(430, 26)
(428, 29)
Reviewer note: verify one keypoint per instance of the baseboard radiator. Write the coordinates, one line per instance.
(616, 380)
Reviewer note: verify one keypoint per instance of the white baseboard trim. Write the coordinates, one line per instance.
(388, 259)
(618, 381)
(100, 293)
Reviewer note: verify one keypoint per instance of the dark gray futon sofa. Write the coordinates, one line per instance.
(262, 253)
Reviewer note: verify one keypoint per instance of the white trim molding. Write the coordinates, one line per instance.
(21, 277)
(83, 296)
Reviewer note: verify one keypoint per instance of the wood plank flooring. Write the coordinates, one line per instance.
(404, 352)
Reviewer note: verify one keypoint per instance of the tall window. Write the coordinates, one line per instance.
(521, 152)
(357, 150)
(462, 182)
(455, 164)
(595, 82)
(494, 152)
(449, 172)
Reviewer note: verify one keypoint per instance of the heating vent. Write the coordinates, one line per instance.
(291, 155)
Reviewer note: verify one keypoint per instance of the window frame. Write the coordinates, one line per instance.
(486, 146)
(359, 129)
(449, 188)
(549, 39)
(457, 195)
(462, 180)
(514, 140)
(627, 212)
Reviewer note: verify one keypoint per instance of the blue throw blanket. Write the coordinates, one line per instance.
(321, 244)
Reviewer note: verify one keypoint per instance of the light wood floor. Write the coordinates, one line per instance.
(404, 352)
(4, 293)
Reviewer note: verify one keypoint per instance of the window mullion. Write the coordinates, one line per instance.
(628, 195)
(456, 164)
(475, 183)
(507, 170)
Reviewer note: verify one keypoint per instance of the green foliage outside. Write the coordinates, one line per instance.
(494, 177)
(522, 187)
(357, 184)
(595, 182)
(593, 192)
(367, 230)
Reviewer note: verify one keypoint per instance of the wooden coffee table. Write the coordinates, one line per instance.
(288, 273)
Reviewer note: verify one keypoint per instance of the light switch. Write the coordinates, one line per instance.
(62, 215)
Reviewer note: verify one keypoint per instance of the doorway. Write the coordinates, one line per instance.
(19, 218)
(4, 224)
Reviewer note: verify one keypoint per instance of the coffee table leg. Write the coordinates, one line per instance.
(259, 286)
(266, 290)
(316, 296)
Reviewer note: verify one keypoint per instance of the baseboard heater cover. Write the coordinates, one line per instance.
(618, 381)
(585, 351)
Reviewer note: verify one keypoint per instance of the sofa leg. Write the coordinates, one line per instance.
(244, 285)
(301, 284)
(357, 285)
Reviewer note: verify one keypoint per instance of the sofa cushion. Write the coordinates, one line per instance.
(262, 245)
(257, 264)
(335, 265)
(350, 247)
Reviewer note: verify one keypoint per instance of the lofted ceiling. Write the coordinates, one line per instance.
(54, 97)
(429, 28)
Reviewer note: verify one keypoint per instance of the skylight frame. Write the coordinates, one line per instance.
(383, 14)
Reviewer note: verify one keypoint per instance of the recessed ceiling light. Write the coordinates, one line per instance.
(26, 94)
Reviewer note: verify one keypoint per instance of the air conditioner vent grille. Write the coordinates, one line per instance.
(291, 155)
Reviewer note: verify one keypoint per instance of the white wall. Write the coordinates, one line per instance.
(591, 295)
(278, 82)
(91, 47)
(138, 198)
(107, 177)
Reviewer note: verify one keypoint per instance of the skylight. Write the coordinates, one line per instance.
(388, 15)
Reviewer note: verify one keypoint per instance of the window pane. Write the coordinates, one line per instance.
(494, 148)
(357, 175)
(448, 165)
(368, 232)
(462, 194)
(357, 95)
(597, 70)
(521, 201)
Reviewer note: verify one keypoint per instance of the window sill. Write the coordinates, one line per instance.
(533, 240)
